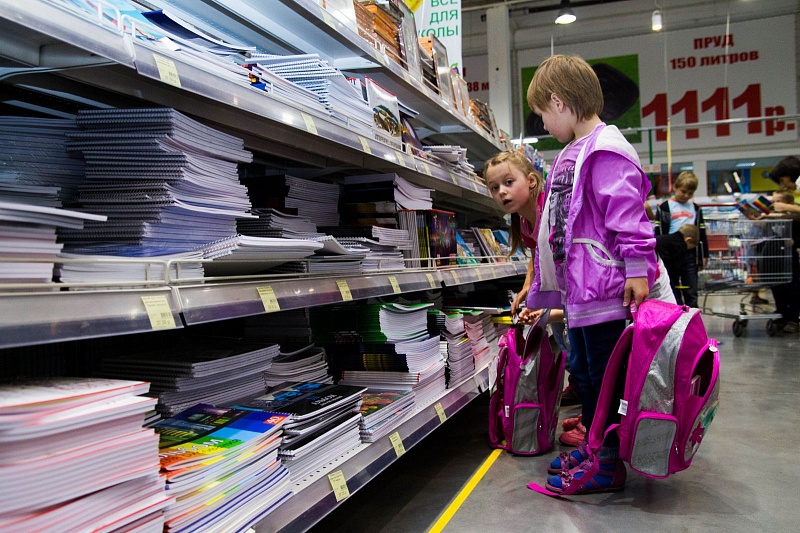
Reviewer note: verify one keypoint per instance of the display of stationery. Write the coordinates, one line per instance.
(384, 410)
(305, 364)
(93, 465)
(385, 114)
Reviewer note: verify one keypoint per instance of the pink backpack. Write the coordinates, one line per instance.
(523, 408)
(671, 372)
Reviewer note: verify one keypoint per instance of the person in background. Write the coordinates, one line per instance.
(674, 213)
(594, 246)
(787, 295)
(673, 248)
(785, 173)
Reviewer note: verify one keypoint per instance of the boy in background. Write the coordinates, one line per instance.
(674, 213)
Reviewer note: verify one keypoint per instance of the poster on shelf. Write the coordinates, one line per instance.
(408, 38)
(385, 114)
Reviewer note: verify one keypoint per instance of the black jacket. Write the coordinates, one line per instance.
(661, 227)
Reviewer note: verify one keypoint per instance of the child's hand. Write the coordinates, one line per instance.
(529, 316)
(636, 290)
(515, 305)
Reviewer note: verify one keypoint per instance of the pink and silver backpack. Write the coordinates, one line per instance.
(671, 373)
(523, 408)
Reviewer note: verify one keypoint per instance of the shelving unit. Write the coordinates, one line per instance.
(54, 49)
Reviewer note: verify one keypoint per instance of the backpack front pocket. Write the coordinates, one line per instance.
(652, 442)
(524, 421)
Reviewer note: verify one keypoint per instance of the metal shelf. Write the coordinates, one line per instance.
(314, 498)
(219, 301)
(477, 273)
(46, 317)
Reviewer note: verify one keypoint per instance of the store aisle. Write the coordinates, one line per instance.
(743, 478)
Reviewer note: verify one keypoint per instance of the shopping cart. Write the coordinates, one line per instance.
(744, 257)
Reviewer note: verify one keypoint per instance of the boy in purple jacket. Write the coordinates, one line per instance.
(596, 247)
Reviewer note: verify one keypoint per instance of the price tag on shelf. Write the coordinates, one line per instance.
(268, 298)
(397, 443)
(440, 411)
(475, 187)
(406, 76)
(167, 70)
(478, 272)
(339, 485)
(426, 168)
(431, 280)
(328, 19)
(401, 160)
(159, 312)
(364, 144)
(454, 179)
(310, 126)
(344, 289)
(455, 277)
(395, 285)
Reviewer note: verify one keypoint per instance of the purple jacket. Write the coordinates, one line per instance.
(608, 237)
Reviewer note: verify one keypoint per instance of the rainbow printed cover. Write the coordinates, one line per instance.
(204, 431)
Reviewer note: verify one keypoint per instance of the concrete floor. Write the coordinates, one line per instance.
(744, 477)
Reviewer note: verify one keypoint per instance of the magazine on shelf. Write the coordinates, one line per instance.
(204, 432)
(305, 400)
(385, 114)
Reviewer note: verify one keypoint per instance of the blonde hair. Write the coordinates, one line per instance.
(519, 161)
(686, 179)
(570, 78)
(692, 232)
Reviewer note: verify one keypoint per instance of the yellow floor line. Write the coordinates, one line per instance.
(462, 496)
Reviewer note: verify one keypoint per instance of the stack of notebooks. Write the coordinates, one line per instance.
(28, 235)
(162, 179)
(460, 361)
(454, 157)
(243, 254)
(323, 422)
(74, 457)
(481, 333)
(314, 200)
(374, 193)
(383, 410)
(305, 364)
(37, 169)
(208, 370)
(383, 346)
(489, 247)
(222, 467)
(273, 223)
(312, 73)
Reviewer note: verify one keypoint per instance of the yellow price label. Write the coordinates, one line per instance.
(364, 144)
(475, 187)
(406, 77)
(455, 277)
(310, 126)
(401, 160)
(427, 168)
(454, 179)
(478, 272)
(397, 443)
(344, 289)
(328, 19)
(268, 298)
(167, 70)
(395, 285)
(440, 412)
(159, 312)
(431, 281)
(339, 485)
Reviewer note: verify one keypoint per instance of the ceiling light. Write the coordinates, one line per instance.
(565, 14)
(657, 22)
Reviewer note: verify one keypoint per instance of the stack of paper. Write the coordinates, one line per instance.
(306, 364)
(314, 74)
(382, 187)
(127, 264)
(478, 325)
(273, 223)
(28, 237)
(454, 157)
(222, 467)
(458, 350)
(207, 370)
(323, 424)
(36, 166)
(384, 410)
(162, 178)
(249, 255)
(317, 201)
(74, 457)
